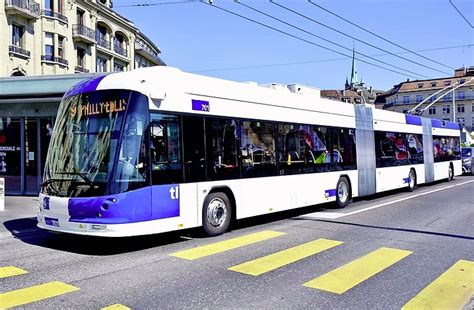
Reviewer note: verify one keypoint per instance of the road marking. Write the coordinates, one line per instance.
(451, 290)
(334, 215)
(34, 293)
(11, 271)
(116, 307)
(226, 245)
(346, 277)
(271, 262)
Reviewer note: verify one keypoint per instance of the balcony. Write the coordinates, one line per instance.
(18, 51)
(119, 49)
(57, 60)
(51, 14)
(80, 69)
(25, 8)
(145, 51)
(83, 33)
(102, 42)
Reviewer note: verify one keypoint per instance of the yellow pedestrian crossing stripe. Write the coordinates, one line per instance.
(34, 293)
(271, 262)
(451, 290)
(11, 271)
(346, 277)
(226, 245)
(116, 307)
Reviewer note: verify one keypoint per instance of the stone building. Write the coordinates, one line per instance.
(457, 105)
(69, 36)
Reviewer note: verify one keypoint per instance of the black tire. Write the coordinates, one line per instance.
(216, 214)
(343, 192)
(450, 173)
(412, 180)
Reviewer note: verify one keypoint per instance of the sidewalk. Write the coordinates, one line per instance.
(18, 207)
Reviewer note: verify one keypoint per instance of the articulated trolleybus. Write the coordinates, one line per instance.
(157, 149)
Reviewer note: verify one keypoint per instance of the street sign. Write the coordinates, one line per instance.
(2, 194)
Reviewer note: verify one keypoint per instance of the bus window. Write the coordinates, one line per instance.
(165, 149)
(257, 146)
(194, 152)
(415, 148)
(344, 150)
(221, 143)
(391, 149)
(446, 148)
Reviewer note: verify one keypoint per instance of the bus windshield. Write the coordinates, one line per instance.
(86, 138)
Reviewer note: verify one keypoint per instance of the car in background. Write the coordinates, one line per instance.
(467, 156)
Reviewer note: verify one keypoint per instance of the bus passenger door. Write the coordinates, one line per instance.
(194, 150)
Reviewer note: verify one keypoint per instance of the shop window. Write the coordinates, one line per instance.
(10, 154)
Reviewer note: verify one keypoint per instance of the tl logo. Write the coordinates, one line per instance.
(46, 203)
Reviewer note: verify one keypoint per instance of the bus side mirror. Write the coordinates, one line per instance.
(156, 94)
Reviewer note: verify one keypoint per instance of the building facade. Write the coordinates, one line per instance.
(69, 36)
(457, 105)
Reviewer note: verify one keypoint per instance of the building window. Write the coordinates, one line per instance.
(461, 120)
(49, 6)
(461, 108)
(101, 65)
(48, 46)
(448, 97)
(80, 17)
(447, 83)
(461, 95)
(433, 98)
(406, 99)
(446, 109)
(433, 84)
(118, 67)
(432, 111)
(81, 53)
(462, 81)
(472, 122)
(61, 46)
(419, 85)
(405, 111)
(17, 35)
(419, 98)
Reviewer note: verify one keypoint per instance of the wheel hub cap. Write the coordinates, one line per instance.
(342, 192)
(216, 212)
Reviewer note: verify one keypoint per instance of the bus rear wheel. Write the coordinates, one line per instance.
(216, 214)
(450, 173)
(411, 181)
(343, 192)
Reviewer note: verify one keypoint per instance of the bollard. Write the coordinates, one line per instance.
(2, 194)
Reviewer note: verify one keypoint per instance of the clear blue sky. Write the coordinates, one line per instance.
(196, 37)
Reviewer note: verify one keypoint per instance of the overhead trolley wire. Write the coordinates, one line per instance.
(378, 36)
(326, 40)
(155, 3)
(322, 60)
(303, 40)
(450, 1)
(354, 38)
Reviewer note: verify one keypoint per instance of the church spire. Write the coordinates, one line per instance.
(354, 77)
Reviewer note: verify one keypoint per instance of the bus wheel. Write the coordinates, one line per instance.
(216, 214)
(343, 192)
(450, 173)
(411, 180)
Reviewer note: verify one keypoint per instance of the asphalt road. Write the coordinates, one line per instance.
(431, 228)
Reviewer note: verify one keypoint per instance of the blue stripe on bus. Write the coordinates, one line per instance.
(84, 86)
(436, 123)
(412, 120)
(330, 193)
(145, 204)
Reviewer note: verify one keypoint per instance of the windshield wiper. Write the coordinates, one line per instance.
(81, 174)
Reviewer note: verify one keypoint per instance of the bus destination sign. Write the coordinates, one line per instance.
(100, 108)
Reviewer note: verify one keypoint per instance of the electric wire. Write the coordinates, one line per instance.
(303, 40)
(461, 14)
(322, 60)
(354, 38)
(155, 3)
(326, 40)
(378, 36)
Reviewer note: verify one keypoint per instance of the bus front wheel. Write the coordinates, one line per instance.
(343, 192)
(216, 214)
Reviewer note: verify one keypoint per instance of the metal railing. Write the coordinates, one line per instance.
(58, 60)
(27, 5)
(102, 42)
(81, 69)
(51, 13)
(82, 30)
(142, 46)
(120, 49)
(18, 50)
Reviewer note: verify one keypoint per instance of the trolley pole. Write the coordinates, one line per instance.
(454, 104)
